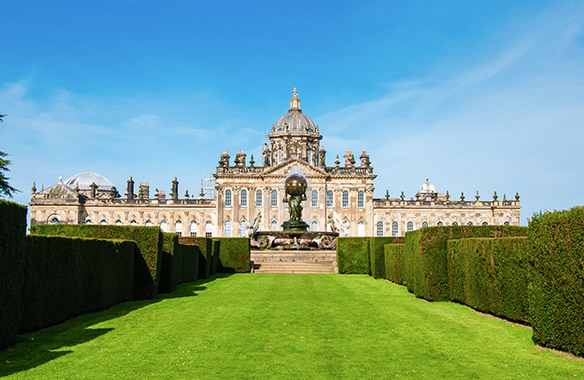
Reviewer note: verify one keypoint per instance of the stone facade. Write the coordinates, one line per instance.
(243, 189)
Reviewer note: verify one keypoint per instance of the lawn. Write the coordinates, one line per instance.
(285, 326)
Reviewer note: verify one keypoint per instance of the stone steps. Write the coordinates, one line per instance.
(296, 262)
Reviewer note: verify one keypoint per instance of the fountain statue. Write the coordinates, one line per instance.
(295, 189)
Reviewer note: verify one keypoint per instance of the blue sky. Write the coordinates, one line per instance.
(484, 95)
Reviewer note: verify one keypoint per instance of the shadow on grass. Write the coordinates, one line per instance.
(36, 348)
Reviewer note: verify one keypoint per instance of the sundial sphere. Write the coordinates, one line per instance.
(295, 185)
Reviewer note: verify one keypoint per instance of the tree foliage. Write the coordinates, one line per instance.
(5, 188)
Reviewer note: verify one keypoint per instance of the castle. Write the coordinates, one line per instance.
(243, 188)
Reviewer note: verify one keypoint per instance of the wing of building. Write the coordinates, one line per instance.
(243, 188)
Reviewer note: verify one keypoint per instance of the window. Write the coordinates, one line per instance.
(193, 229)
(485, 224)
(261, 226)
(360, 229)
(133, 223)
(379, 228)
(178, 227)
(227, 232)
(314, 226)
(54, 221)
(329, 199)
(360, 199)
(118, 222)
(469, 224)
(88, 221)
(103, 222)
(309, 156)
(274, 198)
(227, 198)
(274, 225)
(424, 224)
(345, 199)
(314, 198)
(163, 226)
(410, 226)
(455, 223)
(208, 229)
(506, 223)
(242, 229)
(440, 224)
(147, 224)
(243, 200)
(394, 229)
(259, 198)
(279, 156)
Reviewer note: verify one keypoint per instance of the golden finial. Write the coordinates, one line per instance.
(294, 90)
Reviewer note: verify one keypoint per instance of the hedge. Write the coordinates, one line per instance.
(204, 247)
(12, 233)
(353, 255)
(234, 255)
(393, 262)
(377, 255)
(64, 277)
(426, 256)
(148, 258)
(556, 275)
(490, 275)
(180, 263)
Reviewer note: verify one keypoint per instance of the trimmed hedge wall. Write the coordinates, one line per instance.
(180, 263)
(148, 258)
(353, 255)
(204, 248)
(377, 255)
(12, 233)
(556, 274)
(64, 277)
(393, 262)
(234, 255)
(490, 275)
(426, 256)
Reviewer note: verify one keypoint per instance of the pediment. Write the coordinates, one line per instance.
(294, 165)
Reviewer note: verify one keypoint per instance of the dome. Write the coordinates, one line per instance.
(427, 188)
(294, 120)
(84, 180)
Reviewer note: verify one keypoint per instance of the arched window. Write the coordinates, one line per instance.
(193, 229)
(314, 198)
(88, 221)
(379, 228)
(227, 232)
(242, 229)
(485, 224)
(274, 225)
(360, 199)
(208, 229)
(148, 223)
(261, 226)
(103, 222)
(118, 222)
(133, 223)
(274, 198)
(469, 224)
(178, 227)
(410, 226)
(506, 223)
(309, 156)
(243, 199)
(360, 229)
(259, 198)
(163, 226)
(440, 224)
(314, 226)
(329, 199)
(455, 223)
(227, 198)
(345, 199)
(424, 224)
(54, 221)
(394, 229)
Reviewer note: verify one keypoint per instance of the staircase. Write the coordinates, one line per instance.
(294, 262)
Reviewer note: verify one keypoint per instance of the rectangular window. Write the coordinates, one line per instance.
(329, 199)
(360, 199)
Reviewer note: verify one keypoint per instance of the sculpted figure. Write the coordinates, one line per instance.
(337, 224)
(253, 227)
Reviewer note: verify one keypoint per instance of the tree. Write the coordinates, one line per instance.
(5, 188)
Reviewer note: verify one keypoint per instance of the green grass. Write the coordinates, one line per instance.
(285, 326)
